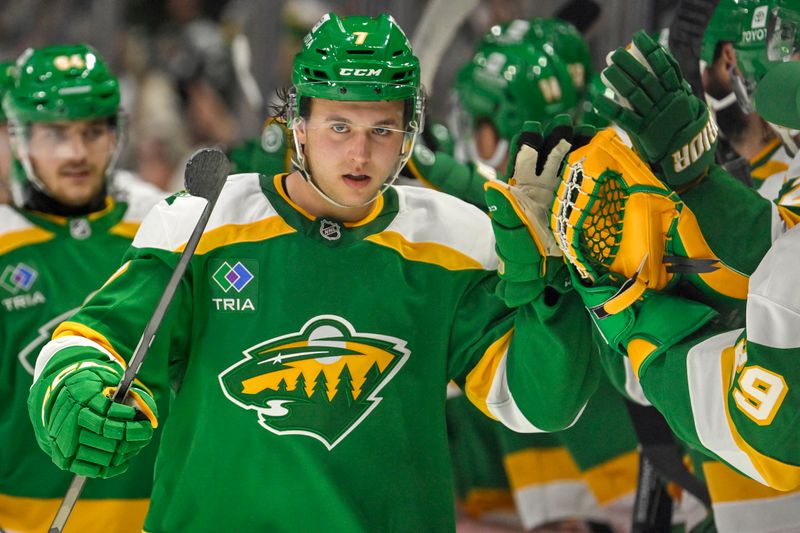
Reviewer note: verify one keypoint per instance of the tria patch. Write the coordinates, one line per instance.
(330, 230)
(232, 277)
(16, 278)
(234, 285)
(320, 382)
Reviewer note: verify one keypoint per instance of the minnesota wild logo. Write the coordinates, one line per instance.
(321, 382)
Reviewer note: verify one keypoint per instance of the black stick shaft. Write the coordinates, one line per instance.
(76, 486)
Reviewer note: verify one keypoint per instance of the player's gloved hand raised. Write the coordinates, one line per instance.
(520, 207)
(669, 126)
(89, 434)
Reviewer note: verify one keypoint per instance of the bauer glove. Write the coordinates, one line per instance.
(520, 208)
(669, 126)
(87, 433)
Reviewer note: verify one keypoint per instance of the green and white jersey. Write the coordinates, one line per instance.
(48, 266)
(314, 357)
(733, 393)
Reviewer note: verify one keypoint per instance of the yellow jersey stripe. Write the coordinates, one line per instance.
(17, 239)
(615, 478)
(425, 252)
(725, 280)
(727, 485)
(74, 328)
(125, 229)
(262, 230)
(480, 379)
(35, 514)
(540, 466)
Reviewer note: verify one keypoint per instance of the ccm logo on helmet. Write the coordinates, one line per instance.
(366, 72)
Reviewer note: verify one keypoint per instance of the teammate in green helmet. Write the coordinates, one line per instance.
(63, 112)
(6, 80)
(64, 235)
(503, 86)
(304, 398)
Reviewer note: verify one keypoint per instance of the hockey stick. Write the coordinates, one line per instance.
(206, 172)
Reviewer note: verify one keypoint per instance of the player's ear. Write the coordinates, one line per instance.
(299, 129)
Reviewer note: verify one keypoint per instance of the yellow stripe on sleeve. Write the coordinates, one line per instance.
(79, 330)
(480, 379)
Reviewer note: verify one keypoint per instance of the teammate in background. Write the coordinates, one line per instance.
(305, 379)
(661, 115)
(517, 75)
(72, 219)
(732, 43)
(6, 79)
(514, 75)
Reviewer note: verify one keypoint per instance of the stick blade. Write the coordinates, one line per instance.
(206, 172)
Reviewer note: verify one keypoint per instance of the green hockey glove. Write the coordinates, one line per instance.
(520, 208)
(89, 434)
(669, 126)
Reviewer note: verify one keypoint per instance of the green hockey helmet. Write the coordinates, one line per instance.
(557, 36)
(58, 84)
(6, 81)
(507, 84)
(357, 58)
(725, 25)
(62, 83)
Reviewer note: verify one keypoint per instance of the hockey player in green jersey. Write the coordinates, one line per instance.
(661, 303)
(498, 90)
(6, 79)
(73, 217)
(308, 394)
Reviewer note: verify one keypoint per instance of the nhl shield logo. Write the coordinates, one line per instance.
(320, 382)
(330, 230)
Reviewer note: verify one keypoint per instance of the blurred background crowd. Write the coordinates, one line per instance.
(204, 72)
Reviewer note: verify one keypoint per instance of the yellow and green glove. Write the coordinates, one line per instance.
(87, 433)
(520, 207)
(669, 126)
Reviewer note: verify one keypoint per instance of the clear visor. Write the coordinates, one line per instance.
(782, 34)
(68, 140)
(343, 128)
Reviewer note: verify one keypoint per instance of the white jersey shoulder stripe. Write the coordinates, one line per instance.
(704, 378)
(428, 216)
(11, 221)
(773, 303)
(50, 349)
(168, 226)
(140, 195)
